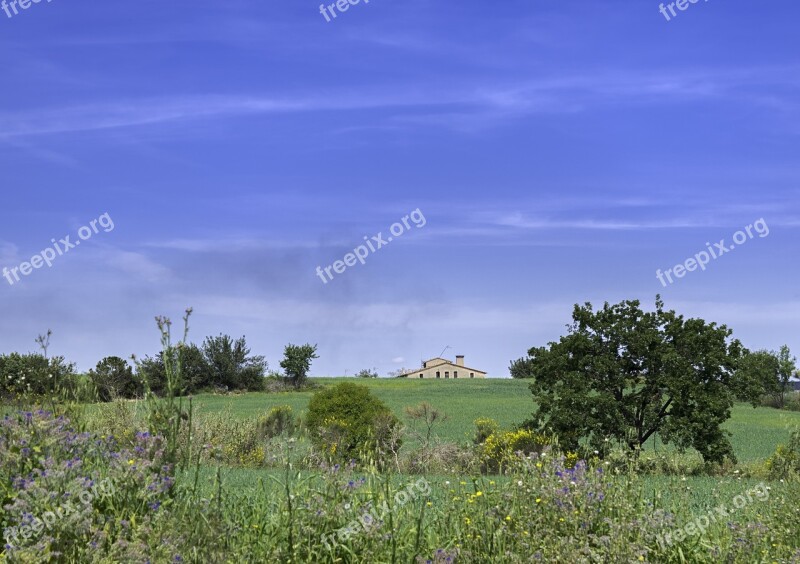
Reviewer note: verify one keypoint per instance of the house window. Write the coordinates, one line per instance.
(446, 374)
(471, 374)
(420, 375)
(455, 374)
(438, 375)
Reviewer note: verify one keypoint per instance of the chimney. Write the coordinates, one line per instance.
(459, 360)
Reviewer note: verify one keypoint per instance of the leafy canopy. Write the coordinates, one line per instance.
(297, 362)
(624, 374)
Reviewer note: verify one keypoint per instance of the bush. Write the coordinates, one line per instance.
(500, 448)
(348, 422)
(485, 427)
(113, 378)
(233, 441)
(366, 373)
(279, 421)
(785, 463)
(35, 375)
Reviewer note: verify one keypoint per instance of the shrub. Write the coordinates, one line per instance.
(113, 378)
(119, 419)
(279, 421)
(485, 427)
(366, 373)
(35, 375)
(785, 463)
(500, 448)
(233, 441)
(348, 422)
(194, 371)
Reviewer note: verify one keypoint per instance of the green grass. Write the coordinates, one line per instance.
(756, 432)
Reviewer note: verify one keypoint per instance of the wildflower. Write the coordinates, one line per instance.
(538, 500)
(478, 494)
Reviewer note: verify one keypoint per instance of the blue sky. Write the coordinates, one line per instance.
(561, 152)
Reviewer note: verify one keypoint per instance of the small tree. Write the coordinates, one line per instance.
(113, 378)
(297, 362)
(429, 417)
(400, 373)
(231, 365)
(195, 371)
(367, 373)
(756, 376)
(787, 367)
(765, 373)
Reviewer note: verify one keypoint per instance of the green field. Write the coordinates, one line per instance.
(250, 499)
(756, 431)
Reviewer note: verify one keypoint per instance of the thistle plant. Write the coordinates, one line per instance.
(166, 416)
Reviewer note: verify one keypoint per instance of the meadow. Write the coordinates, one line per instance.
(241, 499)
(756, 431)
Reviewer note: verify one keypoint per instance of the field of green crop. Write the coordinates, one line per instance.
(756, 431)
(246, 499)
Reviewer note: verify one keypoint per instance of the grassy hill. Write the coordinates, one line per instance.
(756, 432)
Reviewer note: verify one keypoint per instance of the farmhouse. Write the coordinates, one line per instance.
(443, 368)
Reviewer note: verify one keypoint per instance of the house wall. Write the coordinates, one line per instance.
(446, 369)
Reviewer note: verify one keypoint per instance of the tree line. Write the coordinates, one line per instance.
(219, 363)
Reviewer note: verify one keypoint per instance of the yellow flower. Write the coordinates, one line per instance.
(463, 483)
(491, 482)
(561, 520)
(467, 520)
(429, 504)
(478, 494)
(538, 464)
(508, 517)
(131, 462)
(538, 500)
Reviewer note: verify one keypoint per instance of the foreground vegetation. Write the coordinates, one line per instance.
(385, 471)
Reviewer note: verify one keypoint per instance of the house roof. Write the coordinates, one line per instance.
(447, 363)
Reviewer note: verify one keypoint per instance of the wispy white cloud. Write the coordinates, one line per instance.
(137, 265)
(457, 106)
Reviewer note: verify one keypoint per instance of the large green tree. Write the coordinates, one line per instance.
(625, 374)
